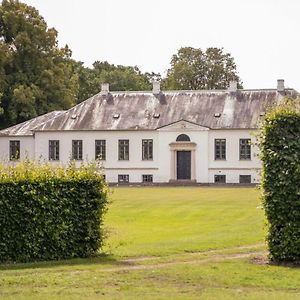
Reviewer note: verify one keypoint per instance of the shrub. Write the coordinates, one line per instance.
(49, 212)
(280, 154)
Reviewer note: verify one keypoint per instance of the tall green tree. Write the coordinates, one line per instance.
(193, 69)
(36, 75)
(120, 78)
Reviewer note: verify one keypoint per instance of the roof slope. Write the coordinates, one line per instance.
(240, 109)
(26, 128)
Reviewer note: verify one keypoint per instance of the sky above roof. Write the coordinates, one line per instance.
(261, 35)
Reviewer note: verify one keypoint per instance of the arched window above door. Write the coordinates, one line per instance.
(183, 138)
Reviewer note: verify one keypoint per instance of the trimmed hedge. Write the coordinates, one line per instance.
(50, 213)
(280, 154)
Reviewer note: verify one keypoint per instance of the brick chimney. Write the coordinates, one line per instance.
(233, 86)
(104, 88)
(280, 85)
(155, 87)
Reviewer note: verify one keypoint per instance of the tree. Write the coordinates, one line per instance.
(36, 75)
(194, 69)
(120, 78)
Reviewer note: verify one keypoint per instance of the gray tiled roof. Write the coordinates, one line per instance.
(219, 109)
(25, 128)
(137, 110)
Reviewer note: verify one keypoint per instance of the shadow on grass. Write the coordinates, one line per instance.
(101, 259)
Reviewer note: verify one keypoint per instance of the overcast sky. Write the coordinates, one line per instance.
(262, 35)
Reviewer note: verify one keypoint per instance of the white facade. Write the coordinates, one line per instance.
(217, 132)
(163, 166)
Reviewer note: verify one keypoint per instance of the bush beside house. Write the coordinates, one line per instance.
(50, 213)
(280, 154)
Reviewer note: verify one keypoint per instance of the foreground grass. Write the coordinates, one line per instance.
(178, 243)
(160, 221)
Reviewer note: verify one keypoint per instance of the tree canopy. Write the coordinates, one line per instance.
(120, 78)
(36, 75)
(194, 69)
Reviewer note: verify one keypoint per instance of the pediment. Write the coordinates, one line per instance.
(183, 125)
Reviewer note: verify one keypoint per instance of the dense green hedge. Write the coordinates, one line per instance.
(50, 213)
(280, 154)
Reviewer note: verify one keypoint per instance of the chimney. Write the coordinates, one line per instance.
(280, 85)
(104, 88)
(233, 86)
(156, 87)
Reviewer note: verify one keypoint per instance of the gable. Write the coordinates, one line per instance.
(183, 125)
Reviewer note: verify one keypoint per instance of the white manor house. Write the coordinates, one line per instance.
(154, 136)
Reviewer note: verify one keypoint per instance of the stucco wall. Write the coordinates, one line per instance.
(162, 165)
(26, 147)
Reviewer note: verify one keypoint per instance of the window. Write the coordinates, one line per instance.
(220, 149)
(53, 150)
(123, 178)
(245, 178)
(123, 149)
(100, 149)
(14, 150)
(147, 178)
(147, 149)
(183, 138)
(220, 178)
(77, 149)
(245, 149)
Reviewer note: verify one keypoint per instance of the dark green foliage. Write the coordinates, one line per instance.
(36, 76)
(120, 78)
(194, 69)
(50, 213)
(280, 154)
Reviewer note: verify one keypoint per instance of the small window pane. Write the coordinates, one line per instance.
(100, 149)
(147, 149)
(53, 150)
(14, 150)
(77, 149)
(220, 178)
(147, 178)
(220, 149)
(245, 149)
(123, 178)
(245, 178)
(123, 149)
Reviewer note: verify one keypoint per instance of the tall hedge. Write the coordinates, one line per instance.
(50, 213)
(280, 154)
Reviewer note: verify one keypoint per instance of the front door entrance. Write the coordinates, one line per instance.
(183, 165)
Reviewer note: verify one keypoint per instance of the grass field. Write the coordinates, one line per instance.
(167, 243)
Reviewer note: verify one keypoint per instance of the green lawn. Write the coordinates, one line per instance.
(167, 243)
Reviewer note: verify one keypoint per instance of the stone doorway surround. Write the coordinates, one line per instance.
(182, 146)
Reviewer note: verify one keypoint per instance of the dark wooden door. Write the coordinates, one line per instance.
(183, 164)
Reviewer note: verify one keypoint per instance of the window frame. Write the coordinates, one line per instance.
(245, 149)
(53, 150)
(220, 149)
(77, 148)
(123, 149)
(147, 149)
(100, 149)
(126, 176)
(219, 176)
(14, 150)
(245, 176)
(144, 176)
